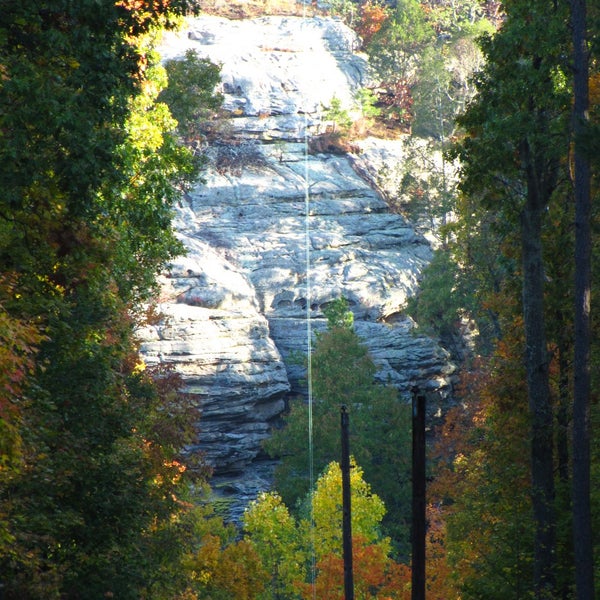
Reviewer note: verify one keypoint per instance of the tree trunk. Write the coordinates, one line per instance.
(582, 523)
(540, 406)
(563, 417)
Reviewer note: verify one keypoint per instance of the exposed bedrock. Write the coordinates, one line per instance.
(274, 234)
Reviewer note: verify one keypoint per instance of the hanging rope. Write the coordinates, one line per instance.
(311, 475)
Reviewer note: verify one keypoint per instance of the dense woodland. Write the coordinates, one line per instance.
(97, 140)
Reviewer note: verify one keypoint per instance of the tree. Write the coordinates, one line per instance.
(482, 445)
(190, 94)
(394, 56)
(221, 572)
(345, 9)
(18, 347)
(453, 17)
(511, 157)
(372, 16)
(290, 547)
(325, 508)
(375, 571)
(444, 85)
(273, 532)
(376, 576)
(89, 171)
(395, 46)
(343, 373)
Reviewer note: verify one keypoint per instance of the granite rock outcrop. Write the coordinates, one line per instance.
(275, 233)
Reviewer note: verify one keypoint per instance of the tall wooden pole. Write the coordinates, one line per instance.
(418, 497)
(346, 508)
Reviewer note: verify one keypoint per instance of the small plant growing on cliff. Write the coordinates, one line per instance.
(367, 102)
(335, 139)
(234, 156)
(345, 9)
(336, 114)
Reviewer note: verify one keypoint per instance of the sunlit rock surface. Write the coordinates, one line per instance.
(276, 233)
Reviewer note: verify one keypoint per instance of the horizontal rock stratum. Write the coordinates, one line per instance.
(276, 233)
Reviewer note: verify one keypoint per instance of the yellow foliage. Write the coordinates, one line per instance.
(235, 569)
(367, 510)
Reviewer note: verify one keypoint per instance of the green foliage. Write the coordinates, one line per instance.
(92, 486)
(411, 24)
(441, 302)
(427, 191)
(274, 533)
(343, 374)
(513, 161)
(435, 106)
(394, 49)
(190, 94)
(224, 568)
(508, 124)
(325, 504)
(367, 101)
(338, 315)
(482, 446)
(158, 169)
(490, 154)
(422, 55)
(337, 115)
(459, 17)
(347, 10)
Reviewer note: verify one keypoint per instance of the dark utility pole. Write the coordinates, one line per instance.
(582, 513)
(418, 497)
(346, 509)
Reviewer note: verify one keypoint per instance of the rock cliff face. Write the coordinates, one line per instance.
(275, 234)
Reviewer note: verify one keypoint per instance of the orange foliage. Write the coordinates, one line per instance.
(139, 15)
(131, 4)
(376, 576)
(439, 583)
(157, 6)
(19, 341)
(373, 15)
(470, 451)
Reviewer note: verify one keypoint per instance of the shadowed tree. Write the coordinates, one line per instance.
(516, 131)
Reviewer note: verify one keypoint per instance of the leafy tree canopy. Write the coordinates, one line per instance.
(343, 374)
(290, 547)
(190, 94)
(93, 488)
